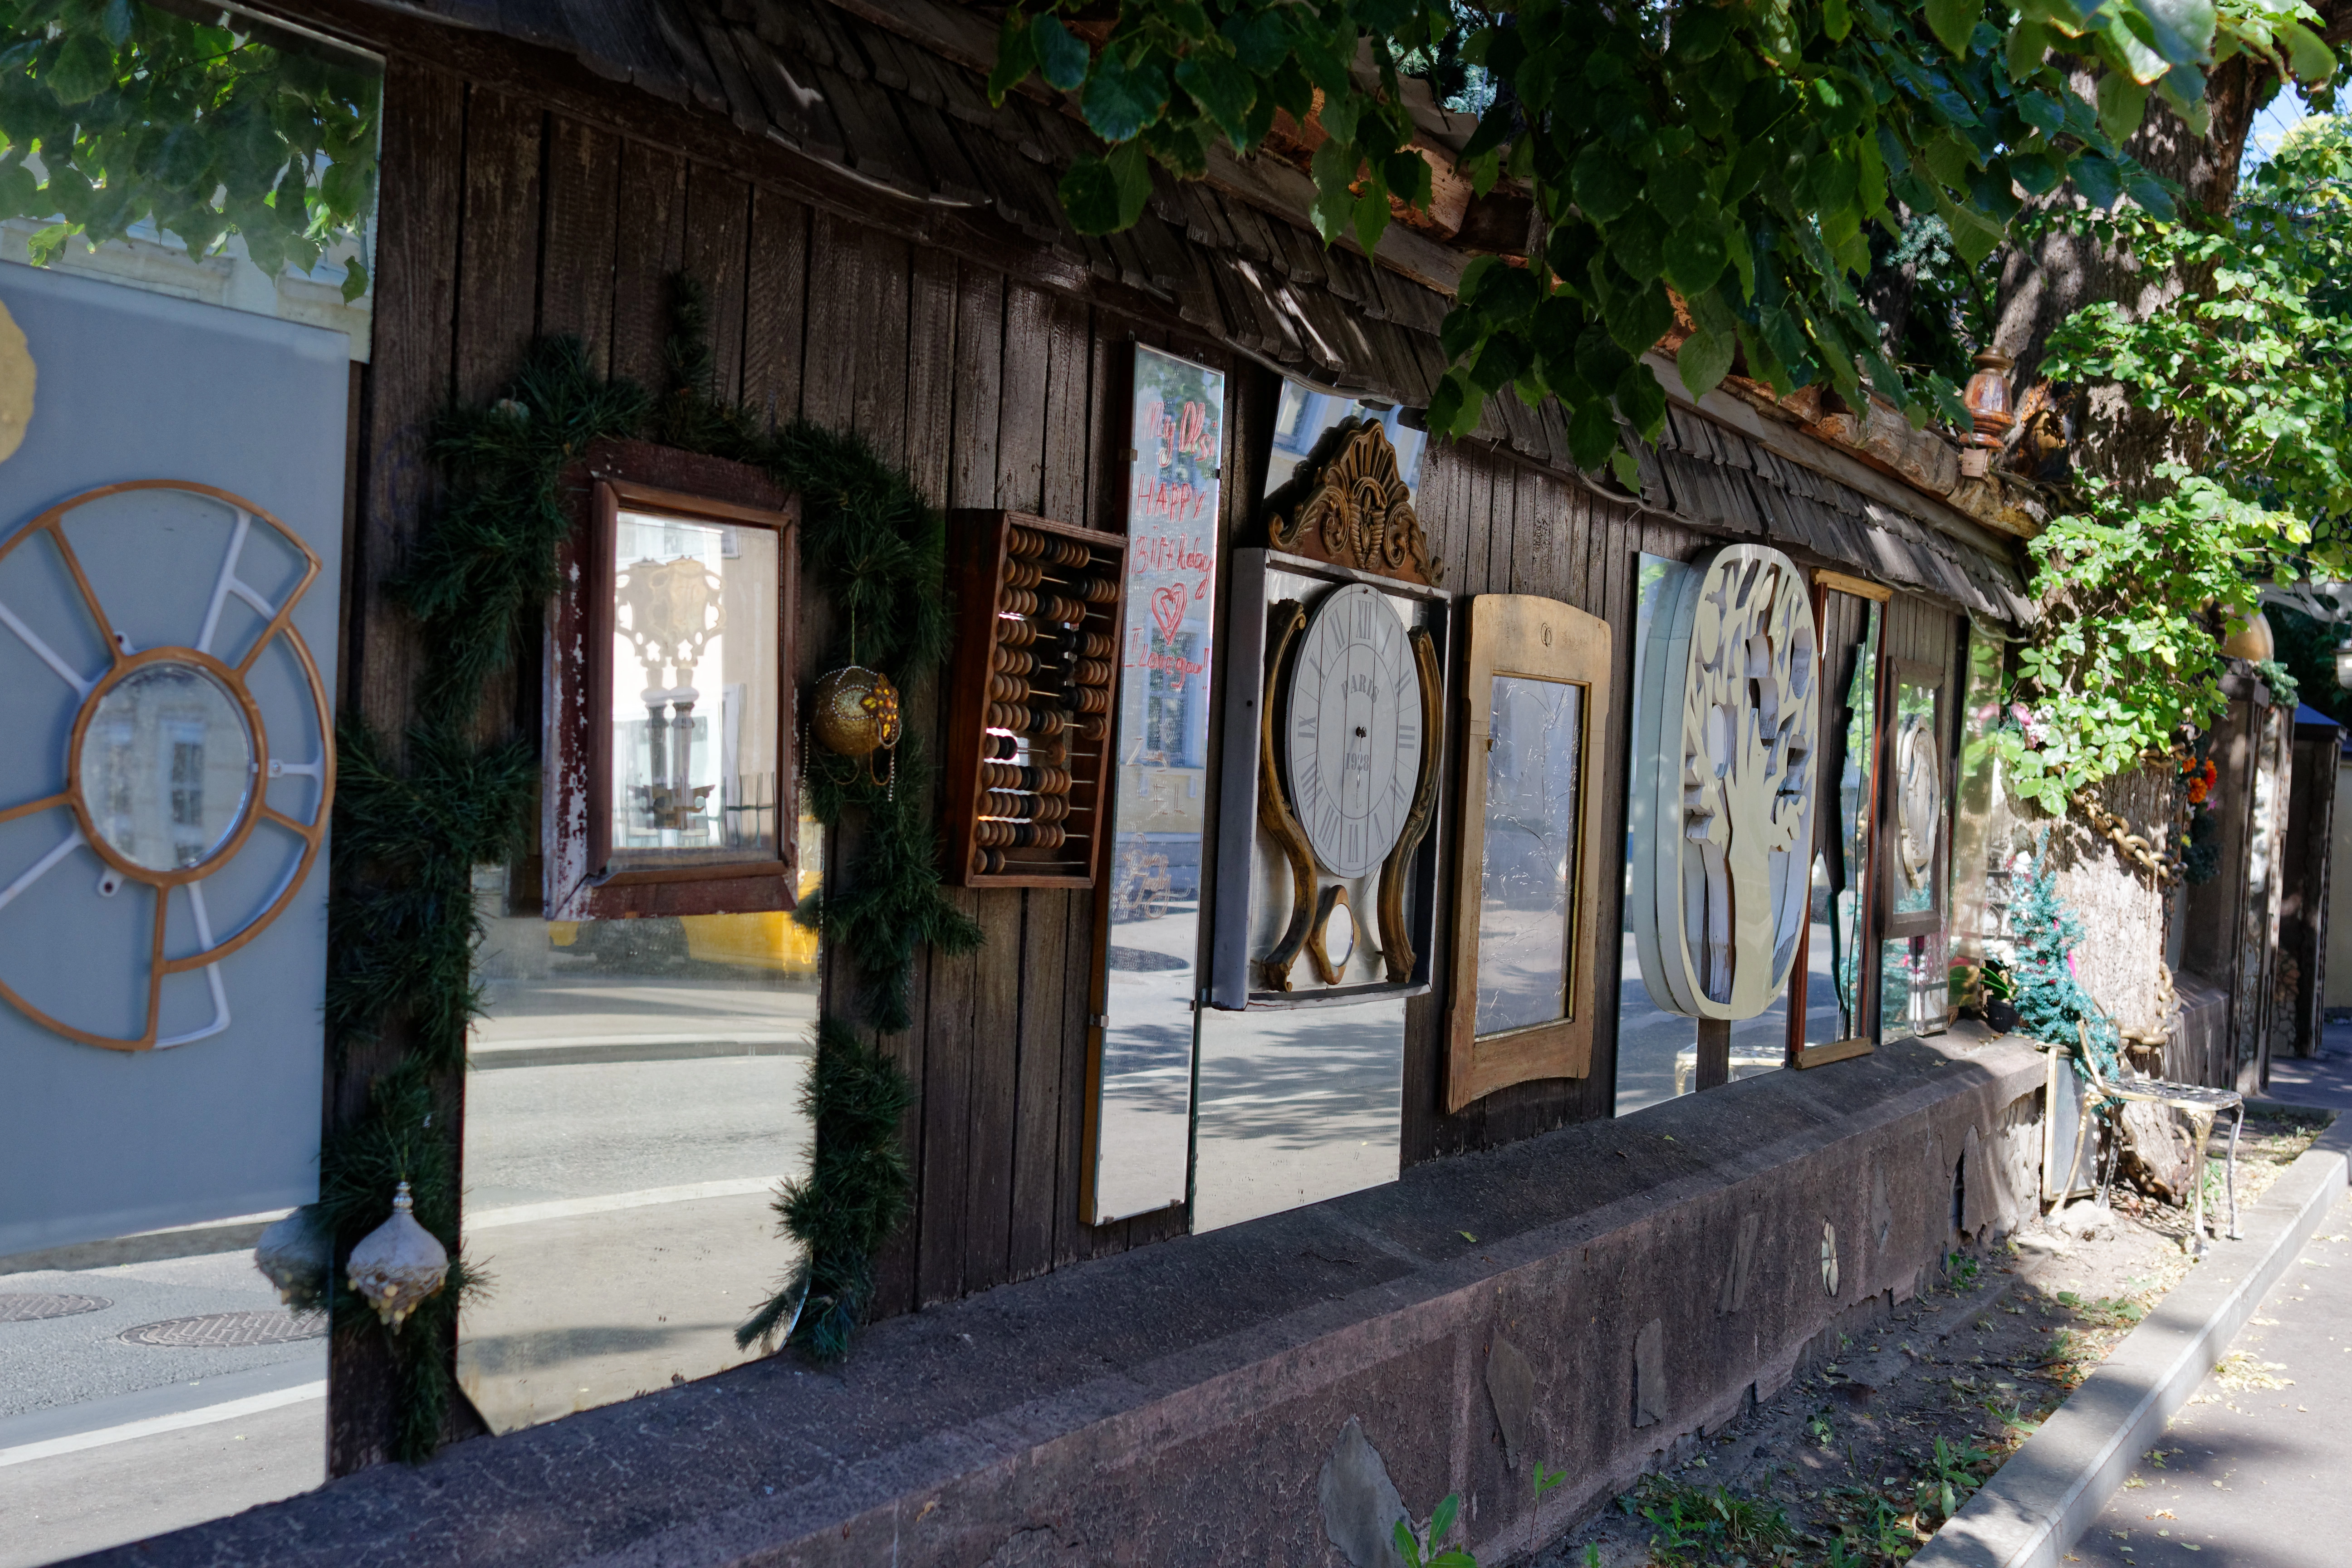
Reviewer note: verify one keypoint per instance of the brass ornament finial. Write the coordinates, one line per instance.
(1353, 508)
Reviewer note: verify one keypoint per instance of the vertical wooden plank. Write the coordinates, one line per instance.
(1048, 1024)
(879, 413)
(999, 1025)
(1615, 548)
(1069, 377)
(979, 386)
(967, 477)
(1021, 428)
(1049, 1178)
(775, 299)
(407, 385)
(924, 1263)
(575, 259)
(651, 249)
(1045, 1027)
(986, 426)
(836, 332)
(497, 268)
(717, 218)
(932, 355)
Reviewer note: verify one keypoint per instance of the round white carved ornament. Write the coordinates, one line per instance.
(1723, 784)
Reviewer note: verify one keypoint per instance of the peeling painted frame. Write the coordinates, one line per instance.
(578, 880)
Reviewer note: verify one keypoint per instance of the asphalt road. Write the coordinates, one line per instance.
(2254, 1469)
(54, 1363)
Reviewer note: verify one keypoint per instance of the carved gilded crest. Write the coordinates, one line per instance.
(1349, 505)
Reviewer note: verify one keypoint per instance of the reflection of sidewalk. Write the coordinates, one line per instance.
(553, 1026)
(595, 1300)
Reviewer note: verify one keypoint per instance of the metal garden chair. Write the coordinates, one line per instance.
(2199, 1104)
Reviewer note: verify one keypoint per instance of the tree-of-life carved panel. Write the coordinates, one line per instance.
(1723, 787)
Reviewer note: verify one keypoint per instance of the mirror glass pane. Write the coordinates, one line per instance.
(1143, 1135)
(1534, 758)
(166, 766)
(696, 689)
(1841, 870)
(632, 1100)
(1988, 837)
(1916, 786)
(1914, 973)
(1306, 415)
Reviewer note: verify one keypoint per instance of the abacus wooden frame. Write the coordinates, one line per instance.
(579, 881)
(978, 542)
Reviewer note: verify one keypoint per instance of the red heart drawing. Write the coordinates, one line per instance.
(1168, 609)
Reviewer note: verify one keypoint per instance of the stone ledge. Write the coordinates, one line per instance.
(1177, 1403)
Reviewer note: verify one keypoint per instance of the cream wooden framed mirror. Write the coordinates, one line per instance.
(1530, 868)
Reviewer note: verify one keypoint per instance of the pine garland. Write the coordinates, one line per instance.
(859, 1190)
(409, 830)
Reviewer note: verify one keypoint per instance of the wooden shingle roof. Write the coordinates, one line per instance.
(892, 94)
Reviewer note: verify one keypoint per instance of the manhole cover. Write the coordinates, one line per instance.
(23, 1306)
(219, 1331)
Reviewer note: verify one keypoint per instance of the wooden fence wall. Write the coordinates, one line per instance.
(516, 205)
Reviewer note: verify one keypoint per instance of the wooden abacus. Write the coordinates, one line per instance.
(1030, 691)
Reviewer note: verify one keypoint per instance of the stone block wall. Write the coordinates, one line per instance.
(1274, 1392)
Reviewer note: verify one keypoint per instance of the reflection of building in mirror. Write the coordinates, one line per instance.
(167, 766)
(1306, 415)
(694, 736)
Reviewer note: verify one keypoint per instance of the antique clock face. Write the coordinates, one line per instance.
(1352, 732)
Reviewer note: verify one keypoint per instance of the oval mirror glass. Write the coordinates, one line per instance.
(166, 766)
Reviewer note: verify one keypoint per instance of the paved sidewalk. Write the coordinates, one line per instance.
(2254, 1476)
(2324, 1079)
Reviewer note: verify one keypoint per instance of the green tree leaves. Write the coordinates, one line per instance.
(1735, 154)
(2258, 374)
(135, 113)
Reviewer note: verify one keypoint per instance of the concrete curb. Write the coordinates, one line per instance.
(2055, 1486)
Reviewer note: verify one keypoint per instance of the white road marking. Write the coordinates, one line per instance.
(227, 1410)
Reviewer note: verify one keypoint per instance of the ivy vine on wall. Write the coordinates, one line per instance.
(412, 823)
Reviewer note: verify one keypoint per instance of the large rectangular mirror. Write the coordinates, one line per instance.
(1140, 1132)
(1536, 692)
(633, 1099)
(1839, 984)
(1913, 978)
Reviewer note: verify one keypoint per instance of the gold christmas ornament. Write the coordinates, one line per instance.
(855, 713)
(399, 1266)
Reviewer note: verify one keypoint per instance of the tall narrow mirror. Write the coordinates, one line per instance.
(1914, 824)
(1837, 1010)
(1140, 1134)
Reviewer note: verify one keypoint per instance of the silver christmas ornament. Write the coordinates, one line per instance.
(297, 1254)
(399, 1266)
